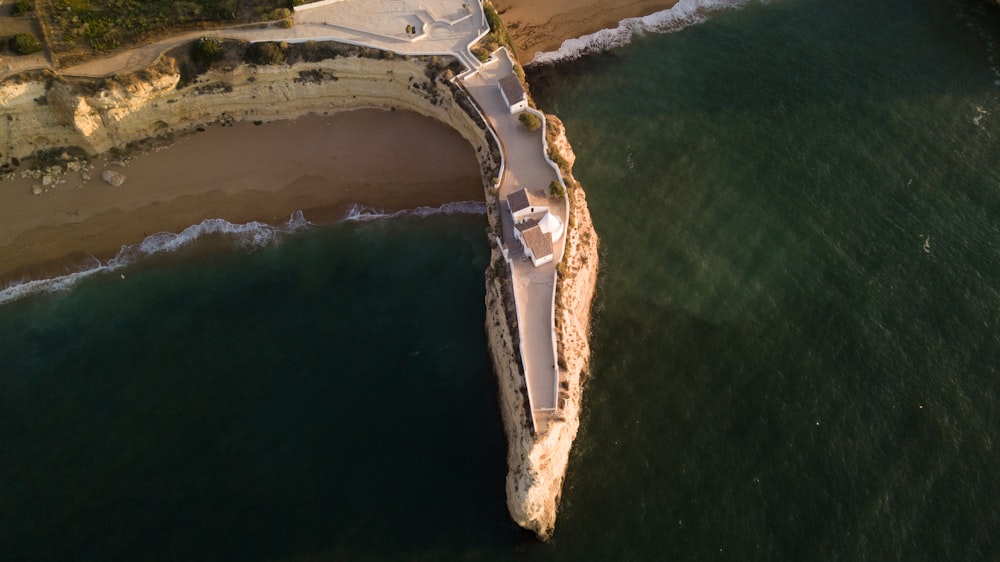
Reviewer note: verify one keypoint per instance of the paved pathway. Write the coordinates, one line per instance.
(525, 167)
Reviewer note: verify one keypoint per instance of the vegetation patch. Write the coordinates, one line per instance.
(316, 76)
(215, 88)
(25, 44)
(556, 190)
(206, 50)
(497, 36)
(530, 121)
(22, 7)
(101, 25)
(266, 53)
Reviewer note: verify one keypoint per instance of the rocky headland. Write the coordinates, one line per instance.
(537, 461)
(51, 125)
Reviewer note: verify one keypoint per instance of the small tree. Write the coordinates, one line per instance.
(22, 7)
(530, 120)
(265, 53)
(279, 14)
(207, 50)
(557, 190)
(25, 44)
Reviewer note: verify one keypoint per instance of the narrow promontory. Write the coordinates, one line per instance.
(53, 125)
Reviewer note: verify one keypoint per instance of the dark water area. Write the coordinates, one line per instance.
(796, 337)
(303, 401)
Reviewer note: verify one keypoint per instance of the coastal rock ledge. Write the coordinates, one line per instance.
(537, 462)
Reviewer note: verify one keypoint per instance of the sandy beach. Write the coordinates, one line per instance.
(321, 165)
(542, 25)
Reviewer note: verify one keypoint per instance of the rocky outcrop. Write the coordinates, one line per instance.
(537, 462)
(113, 177)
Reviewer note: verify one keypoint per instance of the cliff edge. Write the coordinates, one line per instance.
(536, 463)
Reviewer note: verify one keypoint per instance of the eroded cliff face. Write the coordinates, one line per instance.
(98, 116)
(537, 463)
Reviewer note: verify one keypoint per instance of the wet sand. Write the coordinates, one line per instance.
(321, 165)
(542, 25)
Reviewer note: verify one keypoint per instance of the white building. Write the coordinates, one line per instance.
(523, 203)
(513, 93)
(534, 226)
(537, 245)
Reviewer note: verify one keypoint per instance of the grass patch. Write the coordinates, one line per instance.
(102, 25)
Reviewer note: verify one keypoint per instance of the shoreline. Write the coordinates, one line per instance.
(321, 165)
(541, 26)
(127, 110)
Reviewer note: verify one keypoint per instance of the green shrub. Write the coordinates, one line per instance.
(557, 190)
(265, 53)
(25, 44)
(279, 14)
(22, 7)
(530, 120)
(207, 50)
(286, 23)
(498, 31)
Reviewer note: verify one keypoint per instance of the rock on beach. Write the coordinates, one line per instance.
(115, 178)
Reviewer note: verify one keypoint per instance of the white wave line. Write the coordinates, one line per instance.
(683, 14)
(248, 235)
(251, 235)
(361, 213)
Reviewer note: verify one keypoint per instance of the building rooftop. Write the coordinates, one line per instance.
(537, 241)
(512, 89)
(523, 199)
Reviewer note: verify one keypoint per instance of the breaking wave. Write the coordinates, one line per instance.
(683, 14)
(249, 235)
(361, 213)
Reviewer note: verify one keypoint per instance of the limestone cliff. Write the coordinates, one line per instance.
(100, 115)
(537, 463)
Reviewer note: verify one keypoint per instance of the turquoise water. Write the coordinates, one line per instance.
(796, 337)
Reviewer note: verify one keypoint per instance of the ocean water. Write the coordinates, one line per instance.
(796, 336)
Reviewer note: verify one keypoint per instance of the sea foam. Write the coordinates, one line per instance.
(249, 235)
(361, 213)
(683, 14)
